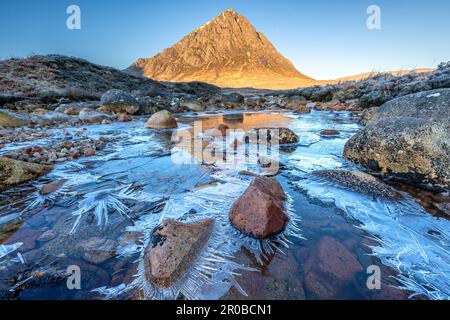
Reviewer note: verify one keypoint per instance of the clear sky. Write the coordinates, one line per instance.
(324, 38)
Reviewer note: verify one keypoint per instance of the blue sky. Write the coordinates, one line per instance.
(324, 38)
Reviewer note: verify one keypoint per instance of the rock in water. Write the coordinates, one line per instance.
(329, 268)
(408, 139)
(301, 109)
(118, 101)
(173, 249)
(285, 135)
(52, 187)
(218, 131)
(11, 120)
(162, 120)
(97, 250)
(360, 182)
(91, 116)
(329, 133)
(259, 211)
(14, 172)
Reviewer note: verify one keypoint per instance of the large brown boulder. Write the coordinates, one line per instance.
(14, 172)
(408, 139)
(162, 120)
(259, 211)
(173, 249)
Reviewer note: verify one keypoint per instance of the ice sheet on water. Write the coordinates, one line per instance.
(416, 244)
(214, 272)
(9, 248)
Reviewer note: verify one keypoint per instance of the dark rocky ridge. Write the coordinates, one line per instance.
(52, 77)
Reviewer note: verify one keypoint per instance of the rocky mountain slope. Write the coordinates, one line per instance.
(50, 78)
(228, 52)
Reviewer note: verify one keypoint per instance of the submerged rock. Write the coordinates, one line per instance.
(259, 211)
(11, 120)
(360, 182)
(14, 172)
(173, 249)
(162, 120)
(52, 187)
(330, 267)
(97, 250)
(118, 101)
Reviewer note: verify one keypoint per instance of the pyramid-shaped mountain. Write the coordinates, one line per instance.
(226, 51)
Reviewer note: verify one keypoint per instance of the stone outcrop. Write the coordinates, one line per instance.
(408, 139)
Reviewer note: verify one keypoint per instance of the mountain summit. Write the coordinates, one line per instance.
(226, 51)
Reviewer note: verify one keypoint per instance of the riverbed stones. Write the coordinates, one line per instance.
(118, 101)
(14, 172)
(173, 248)
(259, 211)
(12, 120)
(409, 140)
(358, 181)
(162, 120)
